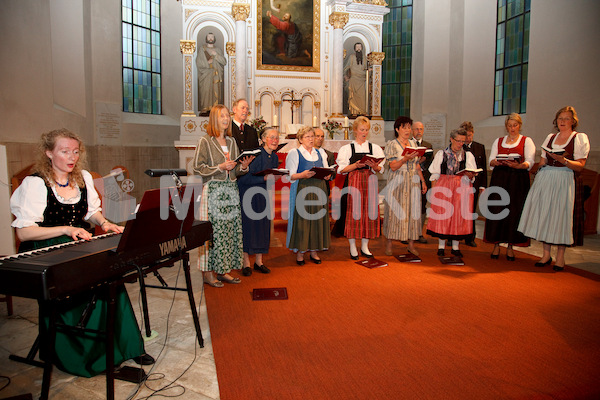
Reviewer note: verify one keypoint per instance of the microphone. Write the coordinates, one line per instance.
(168, 171)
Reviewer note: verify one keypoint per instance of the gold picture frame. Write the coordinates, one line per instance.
(289, 44)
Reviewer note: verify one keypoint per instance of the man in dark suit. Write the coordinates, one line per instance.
(245, 136)
(418, 129)
(478, 151)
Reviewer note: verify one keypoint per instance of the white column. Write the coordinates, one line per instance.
(240, 13)
(338, 20)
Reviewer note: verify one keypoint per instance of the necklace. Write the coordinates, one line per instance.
(61, 185)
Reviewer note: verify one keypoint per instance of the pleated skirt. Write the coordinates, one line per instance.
(516, 183)
(448, 215)
(402, 207)
(548, 211)
(308, 226)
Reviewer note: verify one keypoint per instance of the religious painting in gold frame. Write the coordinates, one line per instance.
(288, 35)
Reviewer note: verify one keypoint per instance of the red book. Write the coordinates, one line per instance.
(270, 294)
(452, 260)
(421, 150)
(372, 263)
(322, 172)
(408, 257)
(367, 158)
(272, 171)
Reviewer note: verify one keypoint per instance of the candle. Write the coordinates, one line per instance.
(275, 120)
(315, 122)
(345, 122)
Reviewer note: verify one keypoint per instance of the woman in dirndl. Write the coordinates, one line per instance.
(215, 162)
(308, 224)
(256, 219)
(511, 158)
(451, 223)
(405, 184)
(51, 207)
(361, 217)
(553, 211)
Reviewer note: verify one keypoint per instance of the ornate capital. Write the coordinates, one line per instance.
(230, 48)
(277, 103)
(257, 103)
(338, 19)
(240, 11)
(376, 57)
(317, 104)
(187, 46)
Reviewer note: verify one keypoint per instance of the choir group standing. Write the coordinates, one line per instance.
(550, 212)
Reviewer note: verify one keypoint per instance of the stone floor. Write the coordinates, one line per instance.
(182, 369)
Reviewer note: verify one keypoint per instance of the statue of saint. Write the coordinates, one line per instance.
(355, 73)
(210, 62)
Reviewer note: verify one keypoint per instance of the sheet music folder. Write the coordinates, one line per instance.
(148, 228)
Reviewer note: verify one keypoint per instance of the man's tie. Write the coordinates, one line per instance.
(418, 143)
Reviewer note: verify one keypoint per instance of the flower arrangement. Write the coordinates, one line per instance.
(331, 127)
(259, 124)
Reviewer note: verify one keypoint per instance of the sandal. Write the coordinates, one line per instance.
(222, 278)
(213, 283)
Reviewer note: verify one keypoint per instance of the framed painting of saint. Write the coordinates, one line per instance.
(288, 35)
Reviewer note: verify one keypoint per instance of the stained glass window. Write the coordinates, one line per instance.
(512, 56)
(396, 68)
(141, 56)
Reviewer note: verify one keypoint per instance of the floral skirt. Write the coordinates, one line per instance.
(220, 205)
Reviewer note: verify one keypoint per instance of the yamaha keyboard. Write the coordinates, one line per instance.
(63, 270)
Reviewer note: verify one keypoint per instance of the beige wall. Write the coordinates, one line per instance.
(453, 66)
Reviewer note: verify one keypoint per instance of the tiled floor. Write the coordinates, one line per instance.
(179, 358)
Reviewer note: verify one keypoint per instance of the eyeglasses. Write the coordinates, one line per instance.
(565, 119)
(458, 141)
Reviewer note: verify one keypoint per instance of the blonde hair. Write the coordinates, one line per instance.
(212, 128)
(515, 117)
(359, 121)
(43, 165)
(303, 131)
(573, 113)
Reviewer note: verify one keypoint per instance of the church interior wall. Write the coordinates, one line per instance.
(453, 66)
(60, 59)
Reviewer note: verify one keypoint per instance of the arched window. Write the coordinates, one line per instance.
(396, 69)
(512, 56)
(141, 56)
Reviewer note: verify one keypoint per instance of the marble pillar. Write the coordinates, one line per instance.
(188, 47)
(338, 20)
(240, 13)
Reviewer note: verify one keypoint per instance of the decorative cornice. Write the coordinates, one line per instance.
(240, 11)
(338, 19)
(230, 48)
(187, 46)
(288, 77)
(373, 2)
(376, 57)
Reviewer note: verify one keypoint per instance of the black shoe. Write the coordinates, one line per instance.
(456, 253)
(441, 253)
(247, 271)
(495, 256)
(300, 262)
(315, 260)
(354, 257)
(144, 359)
(422, 240)
(558, 268)
(261, 268)
(365, 254)
(404, 241)
(543, 264)
(510, 258)
(471, 243)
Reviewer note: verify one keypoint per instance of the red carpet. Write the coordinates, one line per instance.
(491, 329)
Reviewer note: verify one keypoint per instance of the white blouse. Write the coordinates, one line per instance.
(581, 149)
(529, 150)
(343, 158)
(436, 165)
(29, 201)
(292, 159)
